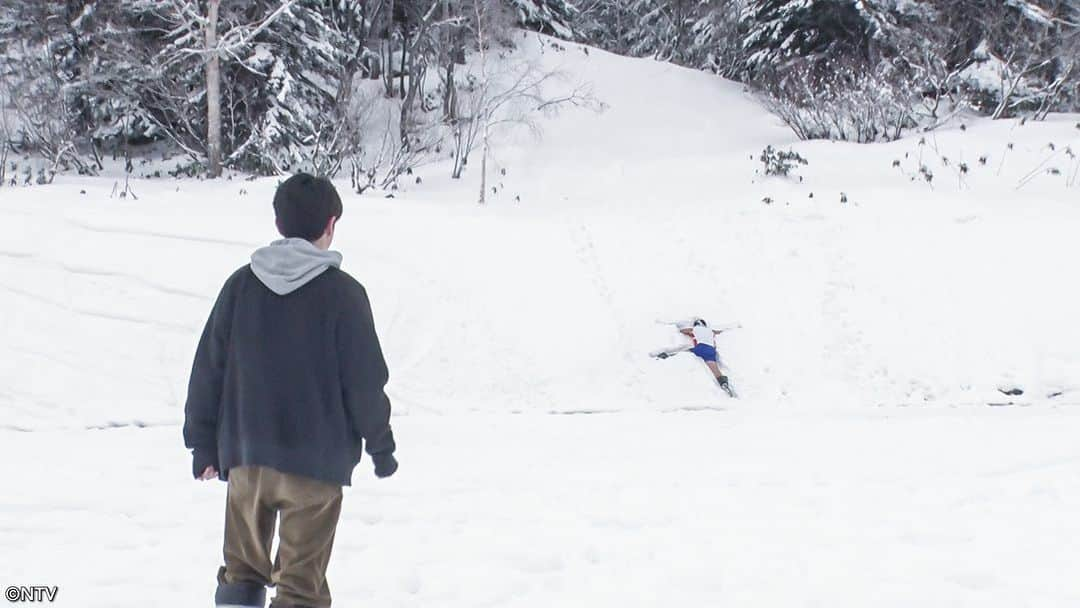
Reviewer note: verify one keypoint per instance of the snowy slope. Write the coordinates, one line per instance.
(909, 293)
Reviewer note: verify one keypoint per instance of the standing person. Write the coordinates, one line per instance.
(703, 339)
(285, 391)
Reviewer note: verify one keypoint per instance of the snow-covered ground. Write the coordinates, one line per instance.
(863, 463)
(889, 508)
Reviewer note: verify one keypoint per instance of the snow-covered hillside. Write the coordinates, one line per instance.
(909, 293)
(815, 488)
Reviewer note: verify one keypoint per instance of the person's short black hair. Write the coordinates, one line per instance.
(700, 323)
(304, 204)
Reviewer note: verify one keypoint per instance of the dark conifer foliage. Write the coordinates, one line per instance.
(90, 78)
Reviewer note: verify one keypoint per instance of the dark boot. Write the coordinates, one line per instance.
(240, 595)
(723, 382)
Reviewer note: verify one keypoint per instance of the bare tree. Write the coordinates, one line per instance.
(504, 93)
(417, 47)
(38, 87)
(340, 139)
(452, 53)
(213, 90)
(385, 160)
(186, 18)
(1030, 45)
(428, 30)
(389, 34)
(851, 102)
(931, 80)
(5, 129)
(1021, 60)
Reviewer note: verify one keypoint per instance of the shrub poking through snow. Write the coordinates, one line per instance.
(780, 163)
(927, 174)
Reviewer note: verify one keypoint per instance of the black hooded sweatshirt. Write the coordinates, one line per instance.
(292, 381)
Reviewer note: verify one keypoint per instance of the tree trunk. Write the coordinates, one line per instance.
(450, 96)
(483, 169)
(450, 48)
(483, 112)
(458, 160)
(388, 59)
(404, 55)
(213, 91)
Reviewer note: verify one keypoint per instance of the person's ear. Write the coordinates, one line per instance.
(330, 226)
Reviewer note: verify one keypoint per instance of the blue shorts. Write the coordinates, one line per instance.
(706, 352)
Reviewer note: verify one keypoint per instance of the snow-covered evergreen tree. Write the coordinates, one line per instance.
(300, 54)
(281, 70)
(52, 74)
(696, 33)
(91, 77)
(665, 30)
(812, 32)
(555, 17)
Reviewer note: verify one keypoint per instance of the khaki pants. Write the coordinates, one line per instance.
(309, 511)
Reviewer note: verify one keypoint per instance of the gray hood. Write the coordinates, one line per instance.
(289, 264)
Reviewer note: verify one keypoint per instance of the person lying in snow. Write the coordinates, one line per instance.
(703, 346)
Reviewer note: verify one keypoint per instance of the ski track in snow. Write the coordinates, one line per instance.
(155, 234)
(40, 263)
(95, 314)
(172, 291)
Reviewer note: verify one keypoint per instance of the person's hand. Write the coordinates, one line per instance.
(385, 465)
(204, 464)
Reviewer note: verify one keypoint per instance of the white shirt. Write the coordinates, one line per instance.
(704, 335)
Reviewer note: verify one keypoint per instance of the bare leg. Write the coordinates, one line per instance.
(714, 367)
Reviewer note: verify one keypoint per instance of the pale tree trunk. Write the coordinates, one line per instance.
(404, 54)
(485, 83)
(213, 91)
(4, 139)
(483, 169)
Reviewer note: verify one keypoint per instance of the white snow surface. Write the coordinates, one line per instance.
(546, 459)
